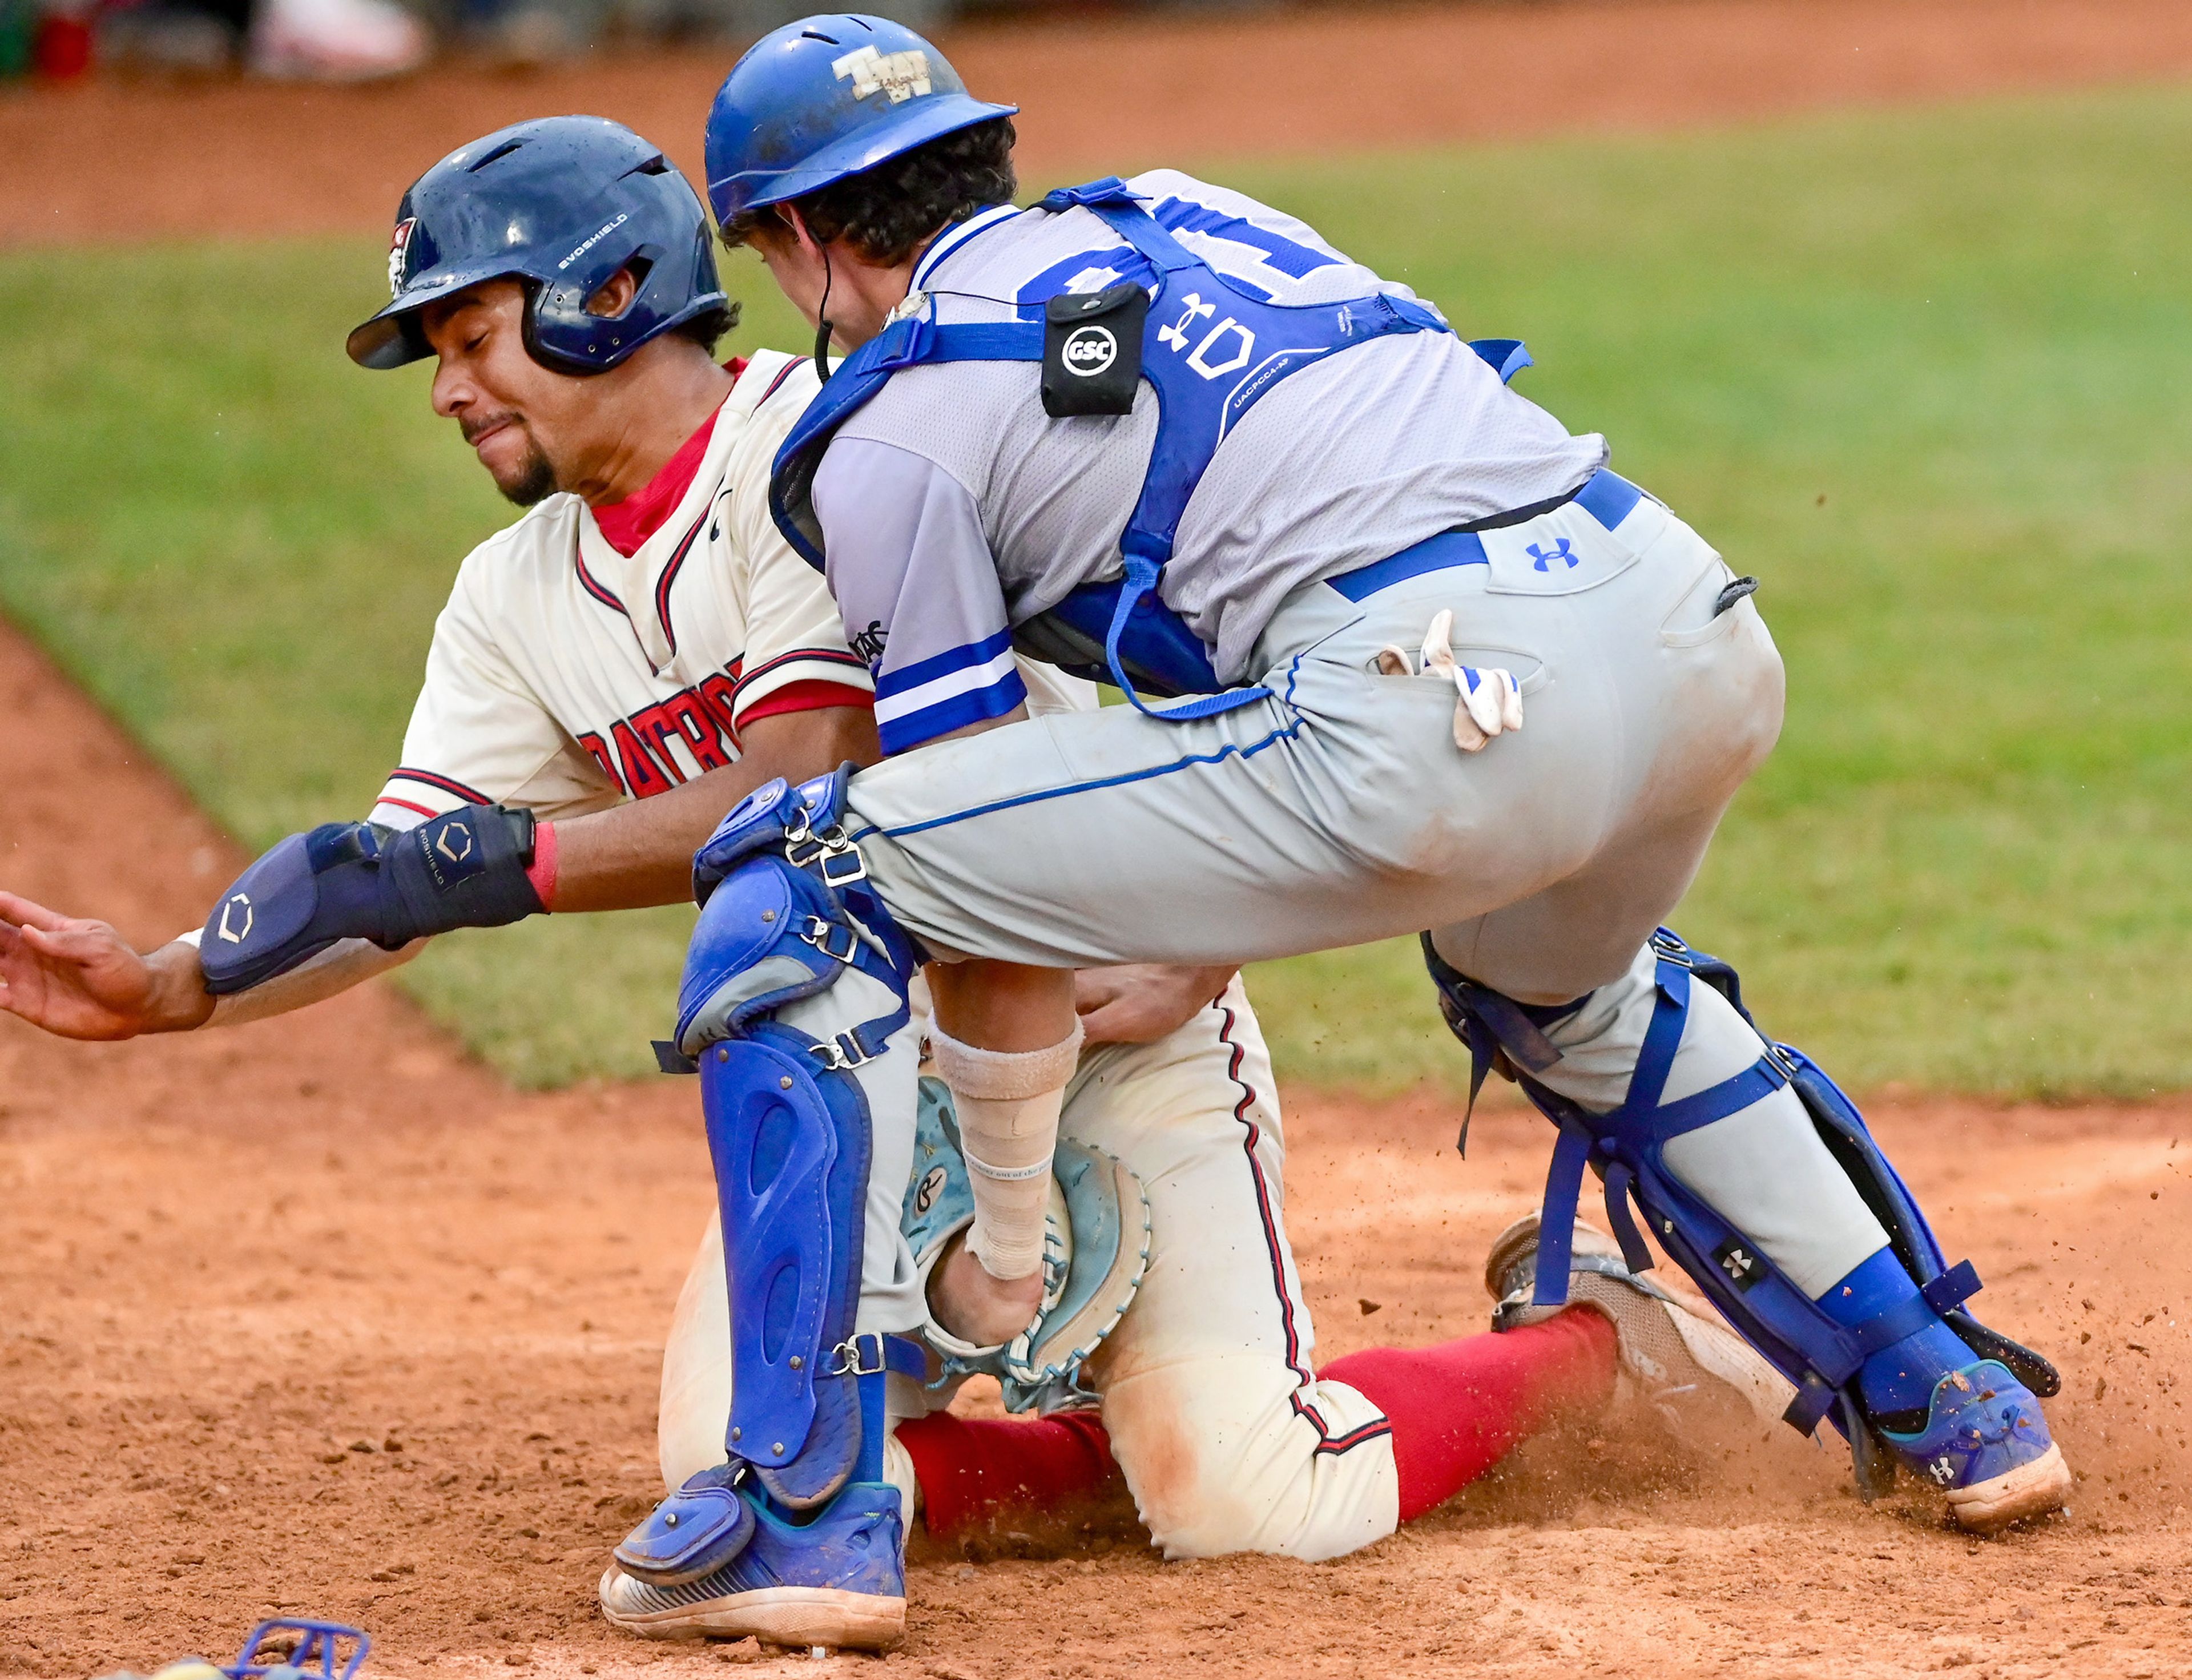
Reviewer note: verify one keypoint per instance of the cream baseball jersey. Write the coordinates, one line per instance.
(567, 677)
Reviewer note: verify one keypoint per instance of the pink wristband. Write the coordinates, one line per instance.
(541, 871)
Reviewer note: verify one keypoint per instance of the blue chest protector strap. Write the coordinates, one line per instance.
(1210, 350)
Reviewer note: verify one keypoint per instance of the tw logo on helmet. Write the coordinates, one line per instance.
(900, 75)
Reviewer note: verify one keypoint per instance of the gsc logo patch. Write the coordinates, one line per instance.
(1089, 351)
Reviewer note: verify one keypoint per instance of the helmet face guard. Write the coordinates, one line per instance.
(825, 98)
(560, 205)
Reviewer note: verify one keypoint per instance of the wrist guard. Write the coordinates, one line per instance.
(465, 869)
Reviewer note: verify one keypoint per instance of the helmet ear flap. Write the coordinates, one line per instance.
(538, 343)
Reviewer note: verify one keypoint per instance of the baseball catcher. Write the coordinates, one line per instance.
(1155, 431)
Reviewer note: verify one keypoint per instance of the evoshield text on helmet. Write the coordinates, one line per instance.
(561, 204)
(825, 98)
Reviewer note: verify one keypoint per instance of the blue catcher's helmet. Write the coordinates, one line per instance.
(560, 203)
(825, 98)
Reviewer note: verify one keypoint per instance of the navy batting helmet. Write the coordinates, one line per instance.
(825, 98)
(561, 204)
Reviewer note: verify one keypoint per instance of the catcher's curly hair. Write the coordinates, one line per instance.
(888, 212)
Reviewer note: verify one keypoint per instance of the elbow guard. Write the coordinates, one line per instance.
(465, 869)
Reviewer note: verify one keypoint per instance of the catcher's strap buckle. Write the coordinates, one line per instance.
(829, 853)
(842, 1053)
(831, 939)
(872, 1353)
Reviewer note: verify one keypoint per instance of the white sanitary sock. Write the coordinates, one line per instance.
(1007, 1102)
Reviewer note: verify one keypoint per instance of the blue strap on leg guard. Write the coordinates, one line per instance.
(785, 912)
(1625, 1145)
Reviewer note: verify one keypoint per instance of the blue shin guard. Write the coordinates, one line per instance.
(1822, 1357)
(785, 917)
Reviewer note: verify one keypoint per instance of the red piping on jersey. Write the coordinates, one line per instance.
(805, 656)
(669, 577)
(470, 796)
(390, 799)
(1274, 1252)
(627, 525)
(599, 590)
(782, 374)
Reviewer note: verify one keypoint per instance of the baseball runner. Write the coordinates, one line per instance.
(1157, 429)
(611, 673)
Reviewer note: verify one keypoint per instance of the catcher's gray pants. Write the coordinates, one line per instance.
(1339, 810)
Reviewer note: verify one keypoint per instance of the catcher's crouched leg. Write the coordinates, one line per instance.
(1757, 1175)
(794, 1013)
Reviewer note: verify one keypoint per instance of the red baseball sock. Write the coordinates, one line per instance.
(983, 1474)
(1457, 1408)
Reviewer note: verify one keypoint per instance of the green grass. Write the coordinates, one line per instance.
(1927, 374)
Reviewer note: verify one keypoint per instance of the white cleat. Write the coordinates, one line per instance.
(1680, 1356)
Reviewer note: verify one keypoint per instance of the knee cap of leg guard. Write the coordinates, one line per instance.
(770, 933)
(771, 818)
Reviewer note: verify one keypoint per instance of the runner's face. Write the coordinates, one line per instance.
(523, 420)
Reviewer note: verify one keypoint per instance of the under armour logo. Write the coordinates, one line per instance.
(454, 842)
(1563, 550)
(900, 75)
(1176, 334)
(1942, 1471)
(232, 928)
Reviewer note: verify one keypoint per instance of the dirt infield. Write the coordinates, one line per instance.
(317, 1318)
(114, 159)
(314, 1316)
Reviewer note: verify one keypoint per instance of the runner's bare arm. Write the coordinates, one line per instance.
(640, 854)
(79, 978)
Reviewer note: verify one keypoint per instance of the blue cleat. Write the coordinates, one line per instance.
(837, 1581)
(1986, 1447)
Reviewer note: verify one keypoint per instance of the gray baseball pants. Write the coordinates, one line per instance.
(1338, 810)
